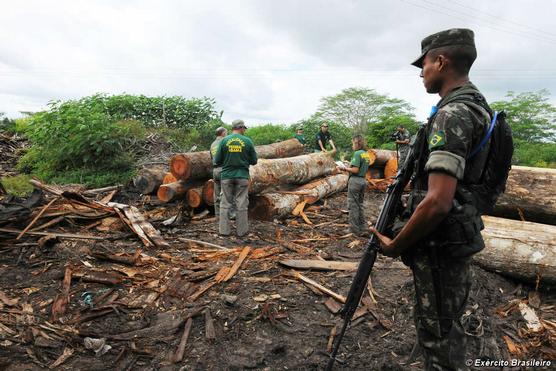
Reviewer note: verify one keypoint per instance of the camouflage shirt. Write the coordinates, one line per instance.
(451, 135)
(455, 130)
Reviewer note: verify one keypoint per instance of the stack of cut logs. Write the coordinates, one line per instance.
(283, 179)
(383, 166)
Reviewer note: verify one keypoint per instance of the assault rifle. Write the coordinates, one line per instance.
(384, 223)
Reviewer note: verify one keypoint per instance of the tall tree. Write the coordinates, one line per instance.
(531, 116)
(358, 108)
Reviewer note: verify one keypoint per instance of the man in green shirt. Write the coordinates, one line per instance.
(221, 132)
(299, 135)
(356, 186)
(235, 154)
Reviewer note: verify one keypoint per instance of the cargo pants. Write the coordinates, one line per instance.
(441, 291)
(234, 192)
(356, 196)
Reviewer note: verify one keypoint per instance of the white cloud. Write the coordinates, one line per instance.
(262, 60)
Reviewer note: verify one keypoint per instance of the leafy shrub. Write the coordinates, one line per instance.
(269, 133)
(535, 154)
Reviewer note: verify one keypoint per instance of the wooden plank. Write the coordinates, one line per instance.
(210, 333)
(178, 356)
(36, 218)
(246, 250)
(320, 264)
(55, 234)
(340, 298)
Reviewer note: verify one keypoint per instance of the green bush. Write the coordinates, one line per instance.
(269, 133)
(535, 154)
(96, 140)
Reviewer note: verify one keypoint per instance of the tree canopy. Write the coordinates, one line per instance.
(531, 116)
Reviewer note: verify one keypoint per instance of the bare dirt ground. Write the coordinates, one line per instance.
(135, 302)
(263, 318)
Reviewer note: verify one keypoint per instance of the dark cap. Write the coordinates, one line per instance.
(453, 36)
(299, 128)
(238, 124)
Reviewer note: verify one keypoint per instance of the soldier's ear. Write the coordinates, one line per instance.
(441, 62)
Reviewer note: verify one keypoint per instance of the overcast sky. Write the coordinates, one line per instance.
(263, 61)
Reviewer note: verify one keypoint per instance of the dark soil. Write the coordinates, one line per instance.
(287, 331)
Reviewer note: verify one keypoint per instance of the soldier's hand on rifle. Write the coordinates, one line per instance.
(387, 246)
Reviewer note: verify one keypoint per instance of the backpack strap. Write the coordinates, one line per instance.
(486, 137)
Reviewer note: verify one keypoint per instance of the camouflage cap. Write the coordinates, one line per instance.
(299, 128)
(453, 36)
(238, 124)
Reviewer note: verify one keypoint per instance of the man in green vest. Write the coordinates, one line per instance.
(357, 185)
(235, 154)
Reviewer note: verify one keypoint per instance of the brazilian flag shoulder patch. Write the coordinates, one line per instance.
(437, 139)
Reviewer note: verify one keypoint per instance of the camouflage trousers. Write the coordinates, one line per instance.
(441, 291)
(403, 151)
(356, 196)
(234, 192)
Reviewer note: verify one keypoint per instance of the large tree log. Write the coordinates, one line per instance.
(522, 250)
(292, 170)
(148, 180)
(379, 157)
(198, 165)
(172, 191)
(274, 205)
(531, 190)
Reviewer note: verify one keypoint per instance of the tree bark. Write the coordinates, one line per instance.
(275, 205)
(530, 190)
(522, 250)
(148, 180)
(292, 170)
(198, 165)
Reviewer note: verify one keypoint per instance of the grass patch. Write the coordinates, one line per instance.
(17, 185)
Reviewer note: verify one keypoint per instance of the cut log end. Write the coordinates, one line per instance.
(180, 167)
(194, 197)
(169, 178)
(171, 191)
(208, 192)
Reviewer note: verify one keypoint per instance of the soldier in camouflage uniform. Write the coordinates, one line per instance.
(441, 225)
(402, 140)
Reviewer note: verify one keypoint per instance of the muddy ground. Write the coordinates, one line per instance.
(263, 317)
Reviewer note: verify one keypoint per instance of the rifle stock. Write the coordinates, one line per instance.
(384, 222)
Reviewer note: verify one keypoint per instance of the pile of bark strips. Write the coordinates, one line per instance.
(96, 279)
(12, 147)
